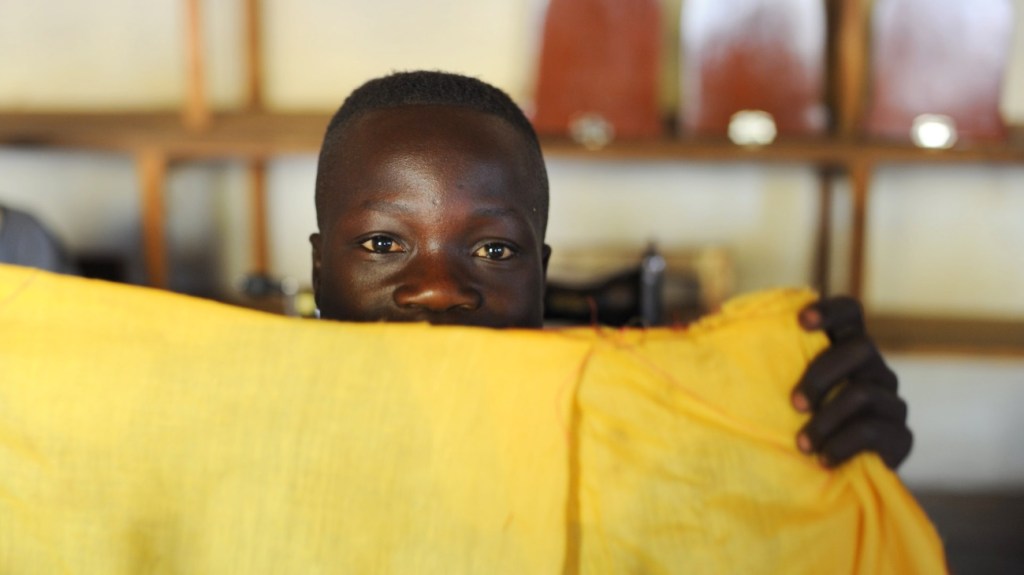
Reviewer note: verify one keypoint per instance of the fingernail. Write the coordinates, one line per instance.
(804, 443)
(810, 319)
(800, 402)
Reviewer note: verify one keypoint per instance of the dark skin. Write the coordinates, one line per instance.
(850, 391)
(435, 215)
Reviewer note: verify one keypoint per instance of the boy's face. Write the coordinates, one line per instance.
(433, 214)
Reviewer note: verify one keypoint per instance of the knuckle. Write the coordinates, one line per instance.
(900, 409)
(851, 306)
(888, 376)
(858, 351)
(872, 348)
(898, 451)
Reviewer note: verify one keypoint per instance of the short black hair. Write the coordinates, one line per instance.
(429, 88)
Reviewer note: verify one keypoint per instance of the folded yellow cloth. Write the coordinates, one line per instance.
(147, 432)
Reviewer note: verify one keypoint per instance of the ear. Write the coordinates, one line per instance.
(314, 240)
(545, 256)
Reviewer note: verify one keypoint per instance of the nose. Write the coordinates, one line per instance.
(436, 284)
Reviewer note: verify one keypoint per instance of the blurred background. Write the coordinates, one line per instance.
(942, 240)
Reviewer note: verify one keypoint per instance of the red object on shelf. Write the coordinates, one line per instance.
(765, 55)
(600, 58)
(944, 57)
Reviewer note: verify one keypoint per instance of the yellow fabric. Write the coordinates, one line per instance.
(145, 432)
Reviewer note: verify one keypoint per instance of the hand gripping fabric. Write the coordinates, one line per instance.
(147, 432)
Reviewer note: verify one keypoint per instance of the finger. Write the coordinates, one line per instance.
(854, 401)
(891, 441)
(840, 317)
(853, 360)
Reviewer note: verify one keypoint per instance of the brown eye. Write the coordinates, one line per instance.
(495, 251)
(382, 245)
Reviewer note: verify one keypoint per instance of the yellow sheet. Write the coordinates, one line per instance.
(145, 432)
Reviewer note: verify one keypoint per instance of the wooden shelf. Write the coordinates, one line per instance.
(817, 151)
(250, 135)
(934, 335)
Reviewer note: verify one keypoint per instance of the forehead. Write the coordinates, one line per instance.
(441, 125)
(386, 148)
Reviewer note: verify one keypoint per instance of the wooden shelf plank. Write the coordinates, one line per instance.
(948, 335)
(818, 151)
(241, 135)
(260, 134)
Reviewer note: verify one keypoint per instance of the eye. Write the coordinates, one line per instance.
(381, 244)
(495, 251)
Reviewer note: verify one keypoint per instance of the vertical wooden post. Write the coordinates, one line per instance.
(254, 54)
(851, 64)
(152, 173)
(258, 216)
(860, 181)
(823, 240)
(196, 113)
(257, 167)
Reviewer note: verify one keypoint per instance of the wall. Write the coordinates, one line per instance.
(942, 239)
